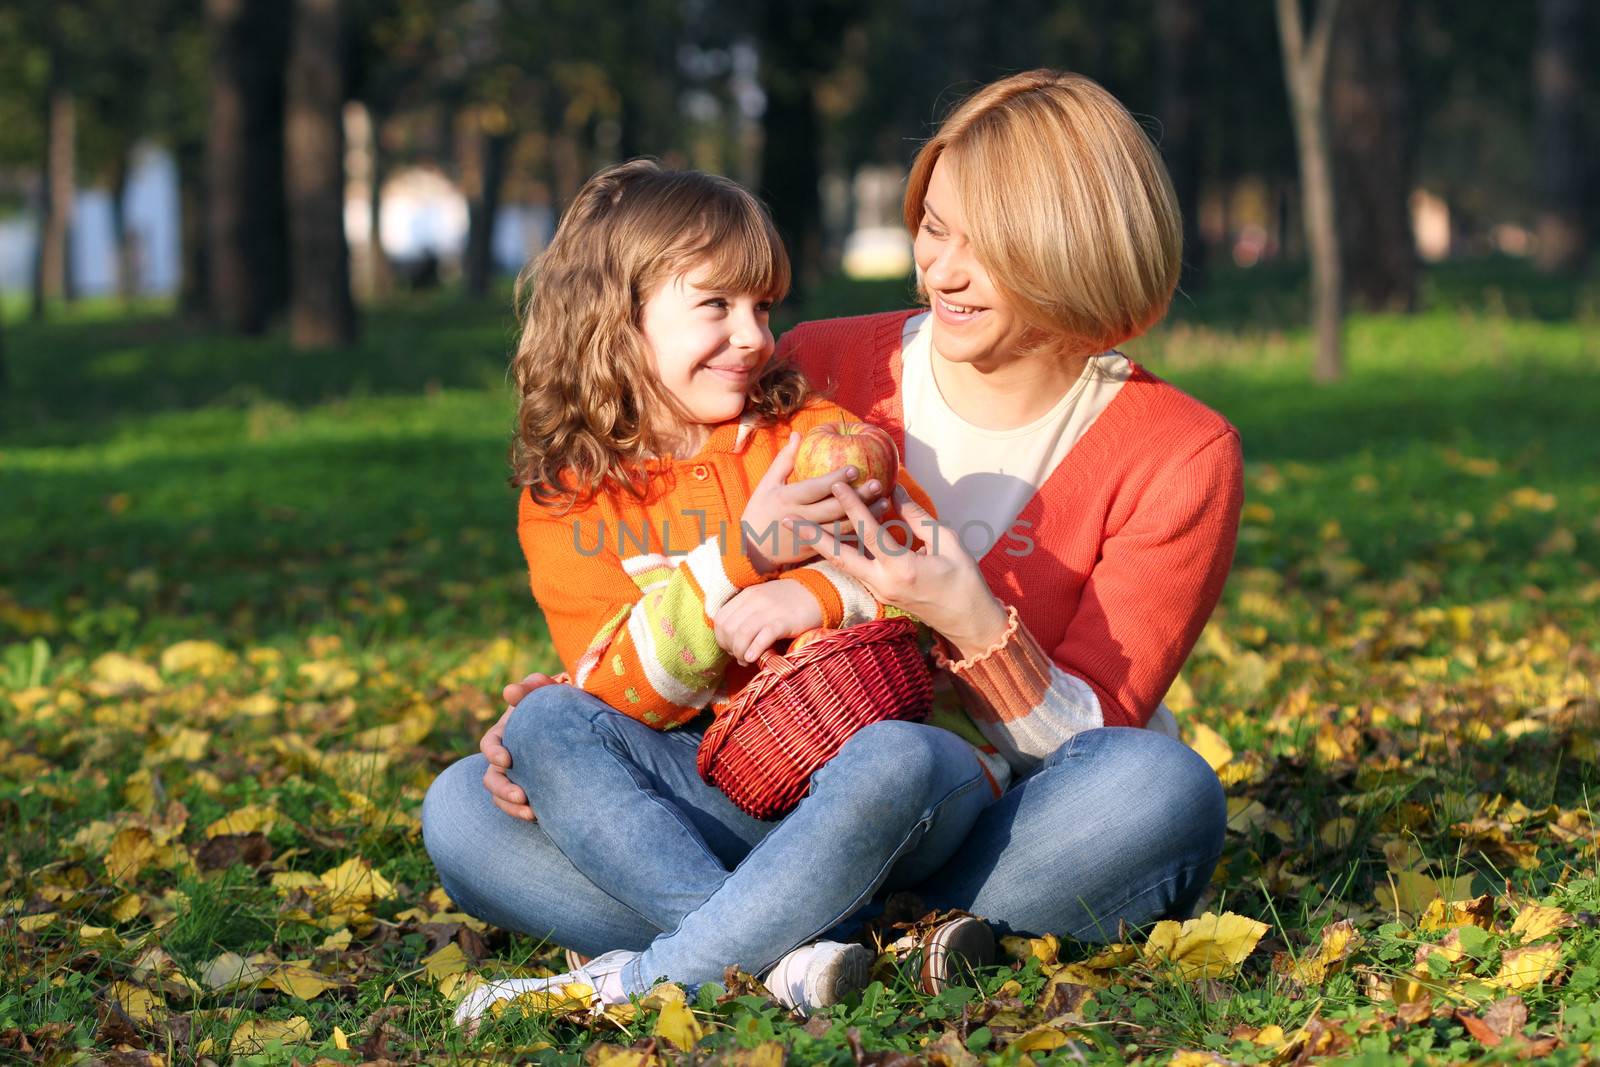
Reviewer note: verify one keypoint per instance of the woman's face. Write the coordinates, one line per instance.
(707, 346)
(971, 321)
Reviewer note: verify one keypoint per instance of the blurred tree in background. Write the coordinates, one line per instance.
(1482, 111)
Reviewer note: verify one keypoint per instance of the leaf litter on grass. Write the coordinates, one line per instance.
(213, 841)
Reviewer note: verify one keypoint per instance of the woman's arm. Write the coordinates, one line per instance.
(1139, 615)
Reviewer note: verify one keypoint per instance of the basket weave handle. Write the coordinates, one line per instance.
(773, 661)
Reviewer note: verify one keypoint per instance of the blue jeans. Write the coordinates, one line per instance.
(632, 850)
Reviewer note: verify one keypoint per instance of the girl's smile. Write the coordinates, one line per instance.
(706, 346)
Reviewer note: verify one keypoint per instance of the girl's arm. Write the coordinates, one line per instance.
(636, 632)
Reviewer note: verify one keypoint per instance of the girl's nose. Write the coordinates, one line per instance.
(749, 332)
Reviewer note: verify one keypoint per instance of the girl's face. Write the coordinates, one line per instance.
(971, 321)
(707, 346)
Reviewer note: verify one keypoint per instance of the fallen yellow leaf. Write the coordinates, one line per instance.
(618, 1056)
(1209, 744)
(207, 657)
(137, 1003)
(1410, 892)
(298, 980)
(354, 881)
(1039, 1039)
(1527, 966)
(1339, 940)
(1536, 921)
(447, 961)
(677, 1026)
(252, 1036)
(231, 971)
(1206, 947)
(249, 819)
(118, 673)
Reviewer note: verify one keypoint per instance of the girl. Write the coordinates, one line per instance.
(655, 437)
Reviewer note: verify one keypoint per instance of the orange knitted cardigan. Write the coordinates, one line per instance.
(1133, 536)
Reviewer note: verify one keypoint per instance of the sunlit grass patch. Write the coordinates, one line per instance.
(249, 608)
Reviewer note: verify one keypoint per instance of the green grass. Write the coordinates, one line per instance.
(1405, 654)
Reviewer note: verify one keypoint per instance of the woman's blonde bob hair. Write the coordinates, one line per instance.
(592, 412)
(1067, 203)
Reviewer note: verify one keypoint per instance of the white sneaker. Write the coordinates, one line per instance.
(593, 974)
(812, 977)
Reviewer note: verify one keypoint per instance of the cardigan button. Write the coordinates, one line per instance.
(701, 472)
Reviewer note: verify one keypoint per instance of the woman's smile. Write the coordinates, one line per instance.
(955, 313)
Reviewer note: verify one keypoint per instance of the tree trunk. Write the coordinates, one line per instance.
(246, 249)
(485, 208)
(1305, 65)
(1558, 74)
(1374, 156)
(50, 281)
(126, 254)
(381, 277)
(791, 165)
(1181, 88)
(193, 285)
(321, 312)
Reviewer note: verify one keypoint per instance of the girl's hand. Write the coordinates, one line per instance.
(938, 581)
(766, 541)
(761, 615)
(506, 794)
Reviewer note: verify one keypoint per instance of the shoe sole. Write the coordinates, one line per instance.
(844, 973)
(969, 941)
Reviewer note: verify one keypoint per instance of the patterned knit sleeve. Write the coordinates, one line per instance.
(1141, 611)
(635, 632)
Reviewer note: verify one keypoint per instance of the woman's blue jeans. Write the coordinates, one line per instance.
(632, 850)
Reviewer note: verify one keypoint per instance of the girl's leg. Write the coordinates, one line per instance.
(1118, 825)
(508, 872)
(894, 789)
(625, 803)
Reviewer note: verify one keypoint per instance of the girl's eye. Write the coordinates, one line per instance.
(930, 231)
(716, 302)
(764, 306)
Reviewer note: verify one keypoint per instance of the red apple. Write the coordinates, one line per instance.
(831, 446)
(804, 639)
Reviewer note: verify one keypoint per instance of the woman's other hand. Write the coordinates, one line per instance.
(938, 581)
(507, 795)
(771, 545)
(761, 615)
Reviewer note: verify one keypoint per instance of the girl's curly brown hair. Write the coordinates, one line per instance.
(592, 413)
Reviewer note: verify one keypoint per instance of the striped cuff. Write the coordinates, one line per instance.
(826, 595)
(1005, 681)
(719, 574)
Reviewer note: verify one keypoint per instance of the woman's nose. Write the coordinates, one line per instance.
(948, 270)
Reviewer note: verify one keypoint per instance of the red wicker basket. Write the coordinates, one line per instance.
(799, 709)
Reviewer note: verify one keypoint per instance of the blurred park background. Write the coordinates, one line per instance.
(257, 548)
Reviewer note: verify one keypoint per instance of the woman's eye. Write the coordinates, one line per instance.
(930, 231)
(764, 306)
(716, 302)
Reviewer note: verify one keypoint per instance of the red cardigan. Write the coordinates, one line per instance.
(1133, 531)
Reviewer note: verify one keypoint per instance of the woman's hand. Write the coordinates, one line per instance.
(766, 541)
(938, 581)
(756, 617)
(507, 795)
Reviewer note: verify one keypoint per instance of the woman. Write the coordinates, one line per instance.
(1088, 518)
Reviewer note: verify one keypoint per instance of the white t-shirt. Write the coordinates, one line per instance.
(980, 479)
